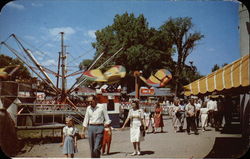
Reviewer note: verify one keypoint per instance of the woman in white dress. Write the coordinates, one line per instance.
(204, 116)
(136, 118)
(176, 116)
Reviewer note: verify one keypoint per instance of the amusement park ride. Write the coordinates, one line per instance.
(61, 95)
(63, 104)
(14, 106)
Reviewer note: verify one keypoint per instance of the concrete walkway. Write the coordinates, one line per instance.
(159, 145)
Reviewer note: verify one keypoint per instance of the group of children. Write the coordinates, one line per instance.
(70, 135)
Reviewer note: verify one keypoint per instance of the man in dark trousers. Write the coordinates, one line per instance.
(190, 117)
(96, 118)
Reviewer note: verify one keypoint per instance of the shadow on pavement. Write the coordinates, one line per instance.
(231, 129)
(113, 153)
(147, 152)
(228, 147)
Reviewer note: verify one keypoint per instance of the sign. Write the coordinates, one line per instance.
(23, 94)
(146, 91)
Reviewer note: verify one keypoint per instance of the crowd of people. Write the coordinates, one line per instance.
(198, 114)
(195, 112)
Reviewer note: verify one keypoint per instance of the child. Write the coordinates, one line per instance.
(147, 119)
(107, 137)
(69, 138)
(152, 123)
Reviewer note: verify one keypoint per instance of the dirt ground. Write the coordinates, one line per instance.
(169, 144)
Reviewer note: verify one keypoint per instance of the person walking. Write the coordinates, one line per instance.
(190, 117)
(137, 126)
(204, 116)
(147, 119)
(96, 118)
(107, 138)
(158, 117)
(197, 112)
(177, 116)
(152, 121)
(69, 141)
(182, 106)
(211, 108)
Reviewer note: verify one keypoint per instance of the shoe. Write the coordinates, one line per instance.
(188, 133)
(196, 133)
(134, 153)
(138, 153)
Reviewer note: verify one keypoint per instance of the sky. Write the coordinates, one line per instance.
(38, 23)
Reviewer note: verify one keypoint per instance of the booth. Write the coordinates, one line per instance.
(232, 79)
(111, 100)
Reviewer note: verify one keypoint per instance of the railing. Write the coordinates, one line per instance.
(43, 110)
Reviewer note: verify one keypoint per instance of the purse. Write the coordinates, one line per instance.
(142, 130)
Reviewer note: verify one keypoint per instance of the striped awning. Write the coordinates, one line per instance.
(230, 76)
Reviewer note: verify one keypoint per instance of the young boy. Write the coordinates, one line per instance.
(107, 137)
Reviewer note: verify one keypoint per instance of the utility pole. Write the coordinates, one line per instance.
(137, 85)
(63, 96)
(58, 76)
(58, 71)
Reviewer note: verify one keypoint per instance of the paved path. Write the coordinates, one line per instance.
(167, 145)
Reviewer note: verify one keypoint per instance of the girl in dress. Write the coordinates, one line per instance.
(136, 124)
(177, 116)
(152, 121)
(147, 119)
(69, 141)
(158, 117)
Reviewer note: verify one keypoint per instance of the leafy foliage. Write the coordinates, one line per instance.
(85, 64)
(215, 67)
(149, 49)
(179, 31)
(21, 73)
(144, 48)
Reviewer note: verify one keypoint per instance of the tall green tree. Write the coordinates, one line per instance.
(144, 48)
(21, 73)
(178, 30)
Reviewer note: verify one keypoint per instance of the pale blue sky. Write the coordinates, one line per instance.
(38, 22)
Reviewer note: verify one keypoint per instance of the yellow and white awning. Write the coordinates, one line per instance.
(230, 76)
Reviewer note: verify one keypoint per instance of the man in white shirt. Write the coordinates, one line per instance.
(212, 106)
(197, 113)
(190, 117)
(96, 118)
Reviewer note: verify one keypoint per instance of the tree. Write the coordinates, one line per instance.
(178, 30)
(85, 64)
(215, 67)
(224, 64)
(144, 48)
(21, 73)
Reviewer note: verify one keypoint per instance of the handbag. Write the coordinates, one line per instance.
(142, 130)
